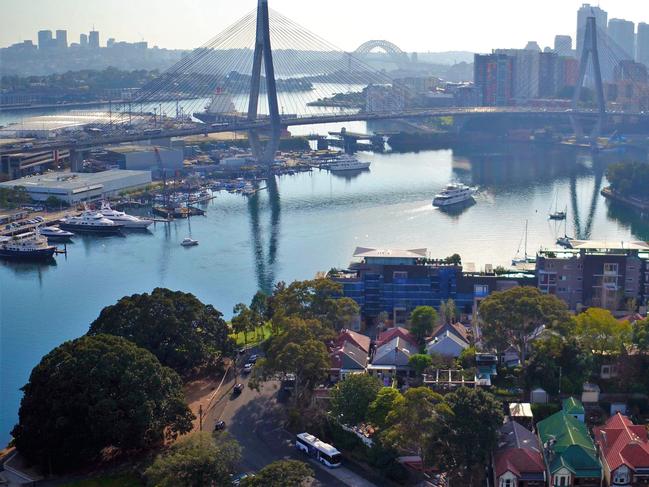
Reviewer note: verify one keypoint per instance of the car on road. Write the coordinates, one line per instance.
(238, 388)
(247, 368)
(219, 425)
(253, 359)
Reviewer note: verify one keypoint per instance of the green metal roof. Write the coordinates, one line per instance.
(573, 406)
(573, 447)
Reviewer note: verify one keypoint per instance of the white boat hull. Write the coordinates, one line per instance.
(349, 167)
(141, 224)
(453, 200)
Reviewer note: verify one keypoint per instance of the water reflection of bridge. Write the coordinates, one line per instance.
(265, 257)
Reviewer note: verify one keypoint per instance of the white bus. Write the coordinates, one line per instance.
(317, 449)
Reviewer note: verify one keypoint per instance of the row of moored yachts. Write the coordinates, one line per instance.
(36, 244)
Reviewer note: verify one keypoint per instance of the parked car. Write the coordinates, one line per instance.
(236, 479)
(219, 425)
(237, 389)
(247, 368)
(253, 359)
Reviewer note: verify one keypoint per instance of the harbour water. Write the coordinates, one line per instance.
(308, 222)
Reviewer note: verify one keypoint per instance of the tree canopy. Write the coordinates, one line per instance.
(600, 332)
(176, 327)
(386, 400)
(416, 420)
(641, 335)
(298, 350)
(320, 299)
(419, 362)
(198, 460)
(510, 317)
(629, 178)
(468, 436)
(350, 398)
(96, 392)
(422, 322)
(282, 473)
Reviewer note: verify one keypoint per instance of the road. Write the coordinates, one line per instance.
(255, 420)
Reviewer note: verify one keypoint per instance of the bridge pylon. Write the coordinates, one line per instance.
(264, 153)
(590, 50)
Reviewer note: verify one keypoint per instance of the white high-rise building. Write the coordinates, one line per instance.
(563, 45)
(642, 44)
(622, 36)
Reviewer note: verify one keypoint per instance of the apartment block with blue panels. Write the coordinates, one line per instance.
(397, 281)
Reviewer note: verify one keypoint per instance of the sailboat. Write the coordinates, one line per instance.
(565, 240)
(525, 259)
(556, 214)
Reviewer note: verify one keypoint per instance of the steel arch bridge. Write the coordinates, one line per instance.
(386, 46)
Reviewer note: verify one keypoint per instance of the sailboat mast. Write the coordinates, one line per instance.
(526, 221)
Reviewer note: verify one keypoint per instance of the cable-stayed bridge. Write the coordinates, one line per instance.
(265, 73)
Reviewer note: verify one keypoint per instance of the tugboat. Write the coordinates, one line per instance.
(26, 246)
(90, 222)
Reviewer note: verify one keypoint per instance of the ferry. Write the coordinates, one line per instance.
(348, 163)
(90, 222)
(26, 246)
(129, 221)
(453, 194)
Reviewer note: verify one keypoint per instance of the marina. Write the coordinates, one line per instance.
(248, 243)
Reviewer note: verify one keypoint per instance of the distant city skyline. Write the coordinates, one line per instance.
(472, 25)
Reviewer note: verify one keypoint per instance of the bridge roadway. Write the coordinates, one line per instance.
(264, 124)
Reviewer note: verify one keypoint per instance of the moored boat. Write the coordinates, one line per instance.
(90, 222)
(55, 234)
(26, 246)
(129, 221)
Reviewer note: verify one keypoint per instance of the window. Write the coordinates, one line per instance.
(563, 278)
(610, 268)
(400, 274)
(506, 483)
(620, 477)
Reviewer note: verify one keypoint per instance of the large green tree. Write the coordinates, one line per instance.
(641, 335)
(320, 299)
(298, 350)
(468, 436)
(350, 398)
(176, 327)
(558, 364)
(422, 322)
(600, 332)
(198, 460)
(419, 362)
(509, 317)
(386, 401)
(96, 392)
(416, 420)
(282, 473)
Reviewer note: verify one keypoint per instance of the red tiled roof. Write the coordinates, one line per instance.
(358, 339)
(390, 333)
(623, 443)
(518, 461)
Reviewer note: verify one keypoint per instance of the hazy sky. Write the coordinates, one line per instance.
(422, 25)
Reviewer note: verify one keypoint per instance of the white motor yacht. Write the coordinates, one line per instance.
(90, 222)
(129, 221)
(348, 163)
(55, 233)
(453, 194)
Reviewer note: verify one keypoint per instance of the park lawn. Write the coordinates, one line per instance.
(258, 335)
(108, 481)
